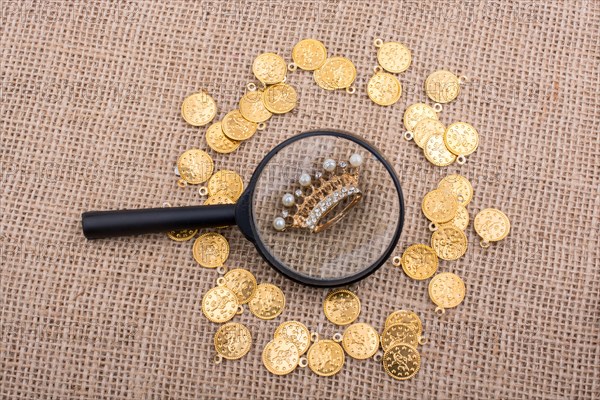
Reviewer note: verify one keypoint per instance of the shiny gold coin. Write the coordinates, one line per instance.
(449, 242)
(384, 89)
(241, 282)
(226, 182)
(394, 57)
(447, 290)
(459, 186)
(252, 107)
(219, 304)
(436, 152)
(401, 361)
(280, 98)
(492, 225)
(309, 54)
(442, 86)
(326, 358)
(236, 127)
(461, 138)
(182, 235)
(341, 307)
(439, 206)
(360, 341)
(218, 198)
(417, 112)
(399, 333)
(461, 220)
(425, 128)
(233, 341)
(268, 301)
(195, 166)
(419, 261)
(405, 317)
(269, 68)
(335, 73)
(280, 356)
(296, 333)
(211, 250)
(216, 139)
(198, 109)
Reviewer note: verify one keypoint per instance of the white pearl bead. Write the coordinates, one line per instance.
(279, 224)
(288, 200)
(304, 180)
(329, 165)
(356, 160)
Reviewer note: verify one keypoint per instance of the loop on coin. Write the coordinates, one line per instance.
(176, 170)
(303, 362)
(292, 67)
(440, 311)
(220, 281)
(461, 160)
(437, 107)
(351, 90)
(423, 340)
(217, 359)
(261, 126)
(463, 79)
(377, 42)
(484, 244)
(396, 261)
(337, 337)
(460, 198)
(378, 356)
(203, 191)
(240, 310)
(433, 227)
(409, 136)
(251, 86)
(221, 270)
(166, 204)
(314, 337)
(377, 69)
(181, 183)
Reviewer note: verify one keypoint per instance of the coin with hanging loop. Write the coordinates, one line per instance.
(309, 54)
(417, 112)
(280, 98)
(326, 357)
(406, 317)
(341, 307)
(393, 56)
(335, 73)
(461, 138)
(269, 68)
(401, 361)
(384, 89)
(226, 182)
(436, 152)
(233, 341)
(449, 242)
(425, 128)
(280, 356)
(198, 109)
(446, 290)
(195, 166)
(219, 304)
(216, 139)
(361, 341)
(253, 108)
(492, 225)
(442, 86)
(241, 282)
(419, 261)
(439, 206)
(268, 301)
(211, 250)
(459, 186)
(297, 333)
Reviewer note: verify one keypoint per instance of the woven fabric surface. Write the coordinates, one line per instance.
(90, 120)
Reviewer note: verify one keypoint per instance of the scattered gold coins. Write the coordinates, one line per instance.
(296, 333)
(419, 261)
(360, 341)
(492, 225)
(416, 113)
(335, 73)
(241, 282)
(226, 183)
(446, 290)
(280, 356)
(383, 87)
(182, 235)
(268, 301)
(326, 357)
(442, 86)
(216, 139)
(280, 98)
(236, 127)
(211, 250)
(341, 307)
(198, 109)
(424, 129)
(399, 340)
(195, 166)
(309, 54)
(401, 361)
(269, 68)
(449, 242)
(233, 341)
(219, 304)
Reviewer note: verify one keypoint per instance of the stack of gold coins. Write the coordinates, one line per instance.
(383, 87)
(401, 336)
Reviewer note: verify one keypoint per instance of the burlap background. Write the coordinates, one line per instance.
(90, 120)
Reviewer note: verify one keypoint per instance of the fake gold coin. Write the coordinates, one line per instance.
(226, 182)
(461, 220)
(211, 250)
(195, 166)
(449, 242)
(419, 261)
(447, 290)
(341, 307)
(492, 224)
(252, 107)
(442, 86)
(439, 206)
(280, 356)
(309, 54)
(326, 358)
(182, 235)
(401, 361)
(218, 198)
(233, 341)
(236, 127)
(219, 304)
(417, 112)
(436, 152)
(216, 139)
(461, 138)
(425, 128)
(399, 333)
(405, 317)
(384, 89)
(459, 186)
(280, 98)
(198, 109)
(296, 333)
(360, 341)
(335, 73)
(268, 301)
(394, 57)
(241, 282)
(269, 68)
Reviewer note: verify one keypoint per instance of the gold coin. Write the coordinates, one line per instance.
(241, 282)
(405, 317)
(442, 86)
(425, 128)
(233, 341)
(211, 250)
(269, 68)
(419, 261)
(384, 89)
(182, 235)
(437, 153)
(236, 127)
(461, 138)
(439, 206)
(417, 112)
(335, 73)
(459, 186)
(360, 341)
(268, 301)
(401, 361)
(447, 290)
(326, 358)
(461, 220)
(280, 356)
(219, 304)
(492, 225)
(280, 98)
(296, 333)
(218, 198)
(252, 107)
(226, 182)
(399, 333)
(341, 307)
(198, 109)
(449, 242)
(195, 166)
(309, 54)
(216, 139)
(394, 57)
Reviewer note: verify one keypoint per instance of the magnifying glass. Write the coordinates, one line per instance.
(323, 208)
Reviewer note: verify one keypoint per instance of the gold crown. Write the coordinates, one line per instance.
(322, 199)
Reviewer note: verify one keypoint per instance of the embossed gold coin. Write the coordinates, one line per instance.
(233, 341)
(326, 358)
(198, 109)
(218, 198)
(461, 138)
(195, 166)
(241, 282)
(436, 152)
(280, 98)
(417, 112)
(394, 57)
(309, 54)
(459, 186)
(335, 73)
(446, 290)
(211, 250)
(384, 89)
(401, 361)
(360, 341)
(216, 139)
(406, 317)
(492, 224)
(341, 307)
(236, 127)
(296, 333)
(269, 68)
(219, 304)
(268, 301)
(399, 333)
(182, 235)
(419, 261)
(425, 128)
(461, 220)
(449, 242)
(439, 206)
(226, 182)
(442, 86)
(252, 107)
(280, 356)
